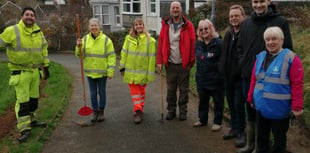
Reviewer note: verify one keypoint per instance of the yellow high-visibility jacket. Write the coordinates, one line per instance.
(138, 58)
(98, 56)
(26, 47)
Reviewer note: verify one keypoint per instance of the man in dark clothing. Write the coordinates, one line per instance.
(231, 71)
(250, 43)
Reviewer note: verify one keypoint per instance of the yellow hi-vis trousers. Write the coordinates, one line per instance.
(26, 84)
(137, 92)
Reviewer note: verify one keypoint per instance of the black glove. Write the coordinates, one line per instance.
(46, 72)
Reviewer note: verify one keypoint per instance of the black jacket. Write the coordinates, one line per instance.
(229, 65)
(207, 58)
(251, 41)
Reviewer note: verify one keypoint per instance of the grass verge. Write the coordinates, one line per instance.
(50, 108)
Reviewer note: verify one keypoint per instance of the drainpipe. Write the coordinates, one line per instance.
(212, 12)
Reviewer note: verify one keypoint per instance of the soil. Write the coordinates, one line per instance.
(8, 123)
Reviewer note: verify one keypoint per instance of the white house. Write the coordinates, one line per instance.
(108, 12)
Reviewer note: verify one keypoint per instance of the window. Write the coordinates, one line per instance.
(117, 16)
(131, 6)
(152, 7)
(102, 13)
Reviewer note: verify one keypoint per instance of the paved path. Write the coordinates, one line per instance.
(118, 133)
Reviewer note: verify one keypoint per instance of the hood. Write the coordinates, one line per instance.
(272, 12)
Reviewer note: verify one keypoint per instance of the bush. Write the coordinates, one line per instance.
(118, 38)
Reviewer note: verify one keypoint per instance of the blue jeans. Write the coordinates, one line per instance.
(236, 104)
(94, 84)
(203, 109)
(251, 112)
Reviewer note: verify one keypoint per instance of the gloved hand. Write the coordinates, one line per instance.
(46, 72)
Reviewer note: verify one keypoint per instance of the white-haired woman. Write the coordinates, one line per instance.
(210, 83)
(99, 64)
(276, 91)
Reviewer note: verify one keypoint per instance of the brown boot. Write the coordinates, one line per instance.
(138, 117)
(100, 115)
(95, 116)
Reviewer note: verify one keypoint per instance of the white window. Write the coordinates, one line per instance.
(117, 16)
(152, 7)
(102, 13)
(131, 6)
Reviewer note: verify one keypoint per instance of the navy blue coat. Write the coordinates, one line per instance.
(207, 58)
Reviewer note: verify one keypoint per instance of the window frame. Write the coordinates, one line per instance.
(101, 14)
(149, 5)
(131, 4)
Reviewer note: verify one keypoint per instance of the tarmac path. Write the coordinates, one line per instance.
(118, 133)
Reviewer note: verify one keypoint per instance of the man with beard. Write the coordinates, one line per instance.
(176, 50)
(250, 43)
(26, 49)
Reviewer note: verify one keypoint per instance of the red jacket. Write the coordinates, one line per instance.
(186, 43)
(296, 74)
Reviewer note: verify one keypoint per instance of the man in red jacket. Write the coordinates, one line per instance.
(176, 50)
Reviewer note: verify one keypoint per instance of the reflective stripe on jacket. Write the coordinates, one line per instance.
(272, 92)
(138, 58)
(26, 47)
(98, 56)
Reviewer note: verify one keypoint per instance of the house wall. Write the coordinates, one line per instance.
(111, 4)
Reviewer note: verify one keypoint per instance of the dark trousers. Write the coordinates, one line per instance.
(236, 103)
(278, 128)
(203, 109)
(177, 77)
(94, 85)
(251, 112)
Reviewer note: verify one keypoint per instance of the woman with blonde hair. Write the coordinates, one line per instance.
(208, 78)
(137, 64)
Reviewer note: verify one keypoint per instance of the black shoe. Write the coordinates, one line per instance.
(38, 124)
(240, 141)
(230, 134)
(170, 116)
(182, 117)
(24, 136)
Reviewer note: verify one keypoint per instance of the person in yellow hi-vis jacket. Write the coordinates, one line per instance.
(99, 64)
(26, 49)
(137, 64)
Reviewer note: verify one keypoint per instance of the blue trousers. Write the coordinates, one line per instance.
(94, 86)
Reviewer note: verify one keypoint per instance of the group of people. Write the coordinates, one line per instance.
(253, 65)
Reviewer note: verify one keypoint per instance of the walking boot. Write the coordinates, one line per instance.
(250, 145)
(24, 136)
(95, 116)
(230, 134)
(36, 123)
(138, 117)
(100, 115)
(182, 116)
(240, 141)
(170, 115)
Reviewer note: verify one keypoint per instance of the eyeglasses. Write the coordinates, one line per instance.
(201, 29)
